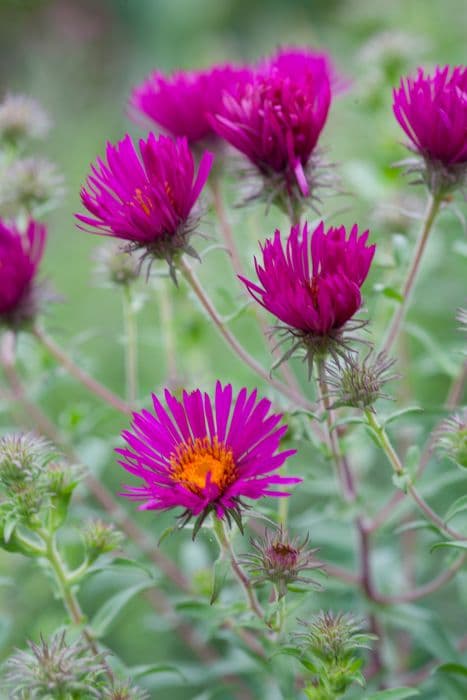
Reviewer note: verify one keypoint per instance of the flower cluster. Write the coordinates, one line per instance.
(205, 454)
(311, 283)
(20, 256)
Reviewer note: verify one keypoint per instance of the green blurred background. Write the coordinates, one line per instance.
(80, 59)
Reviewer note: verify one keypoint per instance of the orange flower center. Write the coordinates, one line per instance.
(192, 462)
(143, 200)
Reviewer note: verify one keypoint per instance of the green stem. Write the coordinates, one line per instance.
(433, 206)
(131, 345)
(226, 547)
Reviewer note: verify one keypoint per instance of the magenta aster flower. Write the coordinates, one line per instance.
(275, 120)
(312, 283)
(294, 61)
(20, 256)
(147, 199)
(205, 454)
(181, 102)
(432, 110)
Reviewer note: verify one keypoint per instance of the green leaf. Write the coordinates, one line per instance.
(149, 669)
(457, 669)
(454, 543)
(393, 694)
(401, 413)
(297, 654)
(219, 574)
(114, 605)
(388, 292)
(457, 507)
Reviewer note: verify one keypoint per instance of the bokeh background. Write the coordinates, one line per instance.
(80, 58)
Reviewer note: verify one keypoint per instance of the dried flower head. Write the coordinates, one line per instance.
(54, 669)
(124, 691)
(205, 454)
(146, 199)
(100, 538)
(31, 185)
(20, 255)
(281, 560)
(431, 109)
(181, 103)
(22, 118)
(275, 120)
(359, 384)
(452, 438)
(312, 284)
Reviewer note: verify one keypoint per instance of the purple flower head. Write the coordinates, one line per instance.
(181, 103)
(146, 199)
(20, 255)
(294, 61)
(275, 120)
(312, 283)
(432, 110)
(205, 454)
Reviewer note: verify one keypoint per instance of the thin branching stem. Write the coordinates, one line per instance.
(131, 344)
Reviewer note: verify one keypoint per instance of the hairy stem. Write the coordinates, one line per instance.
(83, 377)
(432, 209)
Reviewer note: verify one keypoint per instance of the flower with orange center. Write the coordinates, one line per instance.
(205, 454)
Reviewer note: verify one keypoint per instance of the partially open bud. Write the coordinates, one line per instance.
(124, 691)
(23, 457)
(452, 438)
(280, 559)
(30, 185)
(54, 669)
(21, 119)
(359, 384)
(100, 538)
(115, 265)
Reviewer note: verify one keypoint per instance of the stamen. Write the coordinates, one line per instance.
(194, 464)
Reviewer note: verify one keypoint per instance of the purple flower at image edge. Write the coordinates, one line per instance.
(205, 454)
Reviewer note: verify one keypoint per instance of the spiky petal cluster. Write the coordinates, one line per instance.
(452, 438)
(280, 559)
(181, 103)
(432, 110)
(54, 669)
(275, 120)
(20, 256)
(205, 454)
(311, 282)
(359, 384)
(145, 198)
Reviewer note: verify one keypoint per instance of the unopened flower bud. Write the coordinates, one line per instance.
(22, 118)
(124, 691)
(116, 265)
(23, 458)
(54, 669)
(280, 559)
(452, 438)
(100, 538)
(31, 185)
(359, 384)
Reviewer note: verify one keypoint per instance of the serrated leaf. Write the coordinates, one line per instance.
(457, 507)
(393, 694)
(454, 543)
(114, 605)
(402, 412)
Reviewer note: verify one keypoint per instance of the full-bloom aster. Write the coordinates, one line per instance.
(146, 198)
(312, 282)
(205, 454)
(275, 120)
(180, 103)
(432, 110)
(20, 256)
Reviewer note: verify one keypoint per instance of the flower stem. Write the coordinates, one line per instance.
(83, 377)
(397, 465)
(131, 345)
(232, 341)
(226, 547)
(433, 206)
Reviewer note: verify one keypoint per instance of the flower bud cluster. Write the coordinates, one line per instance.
(100, 538)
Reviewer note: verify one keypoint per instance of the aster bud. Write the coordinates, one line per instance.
(359, 384)
(54, 668)
(30, 184)
(280, 559)
(23, 457)
(124, 691)
(100, 538)
(22, 118)
(115, 265)
(452, 438)
(331, 642)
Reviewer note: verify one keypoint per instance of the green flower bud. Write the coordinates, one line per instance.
(100, 538)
